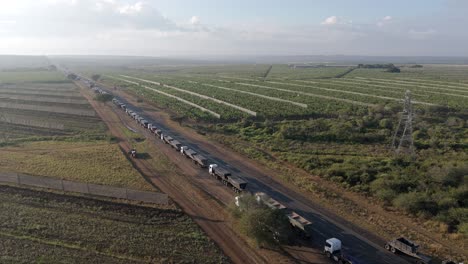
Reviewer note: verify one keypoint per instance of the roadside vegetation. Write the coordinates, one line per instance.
(268, 227)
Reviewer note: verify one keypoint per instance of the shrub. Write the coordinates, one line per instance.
(463, 229)
(416, 202)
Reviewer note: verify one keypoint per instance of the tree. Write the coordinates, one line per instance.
(72, 76)
(392, 68)
(267, 226)
(104, 98)
(96, 77)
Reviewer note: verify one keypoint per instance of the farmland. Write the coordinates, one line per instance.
(48, 128)
(43, 103)
(56, 228)
(337, 128)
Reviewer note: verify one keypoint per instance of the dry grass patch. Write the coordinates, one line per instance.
(97, 162)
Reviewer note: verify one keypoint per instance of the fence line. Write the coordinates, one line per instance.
(85, 188)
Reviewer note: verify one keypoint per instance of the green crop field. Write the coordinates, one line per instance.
(62, 229)
(333, 122)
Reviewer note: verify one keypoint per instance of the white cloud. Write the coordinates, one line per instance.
(131, 9)
(195, 20)
(384, 21)
(333, 20)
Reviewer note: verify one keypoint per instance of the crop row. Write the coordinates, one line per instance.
(265, 107)
(44, 108)
(175, 105)
(255, 98)
(245, 110)
(428, 96)
(415, 85)
(41, 93)
(44, 99)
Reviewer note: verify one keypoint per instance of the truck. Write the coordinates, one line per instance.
(334, 251)
(189, 153)
(219, 172)
(200, 160)
(166, 138)
(144, 123)
(300, 224)
(262, 197)
(133, 153)
(158, 132)
(408, 248)
(175, 144)
(237, 183)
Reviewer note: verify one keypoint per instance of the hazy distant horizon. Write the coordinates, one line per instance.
(241, 28)
(269, 59)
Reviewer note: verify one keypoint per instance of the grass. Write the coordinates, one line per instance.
(33, 76)
(97, 162)
(61, 229)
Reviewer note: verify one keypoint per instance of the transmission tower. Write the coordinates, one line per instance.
(403, 138)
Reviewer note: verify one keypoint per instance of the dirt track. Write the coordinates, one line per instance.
(207, 212)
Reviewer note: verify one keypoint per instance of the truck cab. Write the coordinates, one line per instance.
(212, 168)
(332, 246)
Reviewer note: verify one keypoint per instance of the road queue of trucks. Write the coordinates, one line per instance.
(333, 246)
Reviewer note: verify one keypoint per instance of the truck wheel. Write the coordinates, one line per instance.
(393, 250)
(387, 246)
(328, 254)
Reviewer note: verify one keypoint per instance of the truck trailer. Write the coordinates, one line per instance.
(166, 138)
(200, 160)
(175, 144)
(189, 153)
(409, 248)
(219, 172)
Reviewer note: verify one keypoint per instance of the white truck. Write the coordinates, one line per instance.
(333, 249)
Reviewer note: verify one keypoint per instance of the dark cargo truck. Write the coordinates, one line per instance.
(409, 248)
(167, 139)
(175, 144)
(200, 160)
(219, 172)
(189, 153)
(237, 183)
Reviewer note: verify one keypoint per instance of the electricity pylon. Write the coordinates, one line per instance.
(404, 132)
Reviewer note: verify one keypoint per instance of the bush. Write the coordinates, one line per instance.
(463, 229)
(386, 195)
(416, 202)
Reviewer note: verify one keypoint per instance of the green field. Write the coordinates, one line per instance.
(55, 228)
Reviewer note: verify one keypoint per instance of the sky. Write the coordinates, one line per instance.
(178, 28)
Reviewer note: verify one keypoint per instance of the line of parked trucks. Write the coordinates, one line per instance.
(235, 182)
(333, 246)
